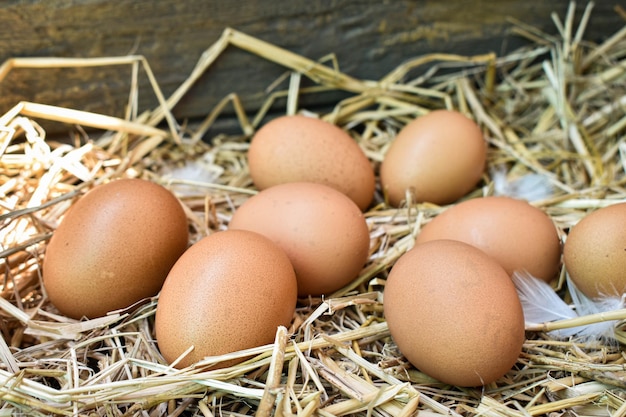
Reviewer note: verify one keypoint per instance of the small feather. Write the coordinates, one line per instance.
(529, 187)
(202, 169)
(541, 304)
(585, 306)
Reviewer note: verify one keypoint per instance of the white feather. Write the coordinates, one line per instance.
(584, 305)
(529, 187)
(541, 304)
(200, 170)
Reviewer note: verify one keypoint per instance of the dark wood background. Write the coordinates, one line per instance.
(369, 38)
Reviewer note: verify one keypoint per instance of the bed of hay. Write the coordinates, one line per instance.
(554, 108)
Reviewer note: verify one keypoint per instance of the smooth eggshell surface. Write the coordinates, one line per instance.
(228, 292)
(594, 253)
(322, 231)
(454, 313)
(114, 247)
(519, 236)
(438, 158)
(300, 148)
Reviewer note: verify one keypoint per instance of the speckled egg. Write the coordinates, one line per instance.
(114, 247)
(322, 231)
(301, 148)
(436, 158)
(228, 292)
(454, 313)
(520, 236)
(594, 253)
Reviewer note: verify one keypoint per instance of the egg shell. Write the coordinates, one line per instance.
(114, 247)
(438, 158)
(300, 148)
(594, 253)
(228, 292)
(520, 236)
(454, 313)
(322, 231)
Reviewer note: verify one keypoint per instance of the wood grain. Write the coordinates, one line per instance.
(368, 38)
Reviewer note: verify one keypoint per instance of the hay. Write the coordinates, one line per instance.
(554, 108)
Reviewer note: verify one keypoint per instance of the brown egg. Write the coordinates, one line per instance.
(594, 253)
(454, 313)
(114, 247)
(300, 148)
(518, 235)
(438, 158)
(228, 292)
(322, 231)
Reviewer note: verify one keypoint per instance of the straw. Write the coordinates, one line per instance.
(553, 108)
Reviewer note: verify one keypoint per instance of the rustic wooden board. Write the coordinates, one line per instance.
(369, 38)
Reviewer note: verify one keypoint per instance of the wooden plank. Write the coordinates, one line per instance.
(368, 39)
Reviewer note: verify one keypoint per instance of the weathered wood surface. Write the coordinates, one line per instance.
(369, 38)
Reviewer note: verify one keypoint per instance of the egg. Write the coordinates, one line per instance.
(454, 313)
(323, 232)
(437, 158)
(594, 253)
(228, 292)
(520, 236)
(114, 247)
(301, 148)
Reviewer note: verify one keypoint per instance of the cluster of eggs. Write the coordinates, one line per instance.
(450, 304)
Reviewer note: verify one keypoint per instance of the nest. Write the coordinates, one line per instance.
(553, 109)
